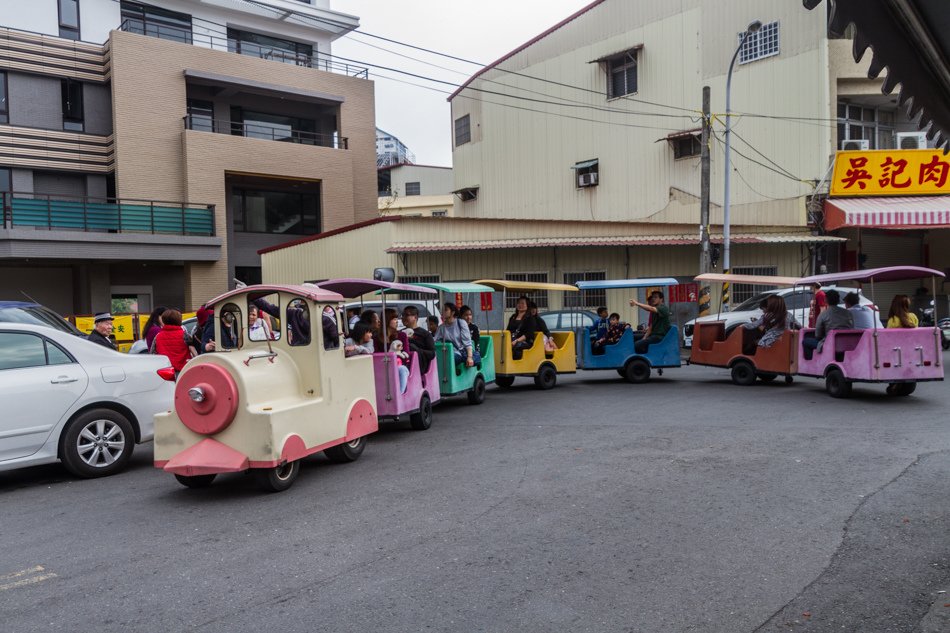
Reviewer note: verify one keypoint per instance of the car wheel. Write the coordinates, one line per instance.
(346, 453)
(768, 377)
(743, 373)
(422, 419)
(637, 371)
(504, 382)
(836, 385)
(546, 378)
(278, 478)
(97, 443)
(477, 393)
(195, 481)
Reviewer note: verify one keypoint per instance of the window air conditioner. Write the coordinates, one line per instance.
(855, 145)
(911, 140)
(587, 180)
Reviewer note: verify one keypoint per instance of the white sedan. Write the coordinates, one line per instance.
(67, 399)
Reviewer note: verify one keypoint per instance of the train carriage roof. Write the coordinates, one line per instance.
(752, 280)
(350, 287)
(307, 291)
(614, 284)
(504, 284)
(888, 273)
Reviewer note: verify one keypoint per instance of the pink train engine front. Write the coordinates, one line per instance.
(276, 389)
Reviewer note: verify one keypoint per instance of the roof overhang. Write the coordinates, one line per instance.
(604, 58)
(911, 38)
(234, 85)
(922, 212)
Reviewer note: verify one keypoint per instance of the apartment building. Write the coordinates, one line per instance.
(391, 151)
(148, 150)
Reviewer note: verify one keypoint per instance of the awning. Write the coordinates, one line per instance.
(923, 212)
(586, 163)
(629, 240)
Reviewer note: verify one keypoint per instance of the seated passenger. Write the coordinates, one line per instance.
(598, 331)
(420, 339)
(549, 345)
(360, 341)
(393, 333)
(900, 315)
(257, 328)
(466, 314)
(833, 317)
(352, 317)
(455, 331)
(659, 323)
(370, 318)
(331, 334)
(432, 323)
(772, 323)
(522, 327)
(402, 358)
(863, 316)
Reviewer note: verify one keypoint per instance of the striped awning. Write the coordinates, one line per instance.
(890, 213)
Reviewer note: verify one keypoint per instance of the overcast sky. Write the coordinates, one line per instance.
(480, 31)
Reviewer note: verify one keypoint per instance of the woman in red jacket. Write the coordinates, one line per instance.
(170, 341)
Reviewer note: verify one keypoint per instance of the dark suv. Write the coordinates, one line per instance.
(34, 314)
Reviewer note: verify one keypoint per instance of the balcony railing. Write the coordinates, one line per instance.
(203, 123)
(106, 215)
(317, 61)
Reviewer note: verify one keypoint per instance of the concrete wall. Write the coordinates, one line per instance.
(50, 285)
(432, 180)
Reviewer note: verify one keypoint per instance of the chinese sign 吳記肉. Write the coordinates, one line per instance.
(885, 172)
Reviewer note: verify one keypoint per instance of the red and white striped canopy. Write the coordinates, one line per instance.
(891, 213)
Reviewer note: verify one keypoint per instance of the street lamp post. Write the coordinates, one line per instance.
(752, 28)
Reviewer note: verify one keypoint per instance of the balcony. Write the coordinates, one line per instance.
(106, 215)
(221, 42)
(280, 133)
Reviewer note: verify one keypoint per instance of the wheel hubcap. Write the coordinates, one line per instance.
(355, 443)
(283, 472)
(100, 443)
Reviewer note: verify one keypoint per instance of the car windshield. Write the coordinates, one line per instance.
(37, 315)
(753, 302)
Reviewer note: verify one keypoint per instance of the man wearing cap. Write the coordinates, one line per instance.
(102, 330)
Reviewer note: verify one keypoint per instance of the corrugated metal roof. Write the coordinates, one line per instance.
(624, 240)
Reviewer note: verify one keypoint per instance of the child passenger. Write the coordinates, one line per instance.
(360, 341)
(401, 359)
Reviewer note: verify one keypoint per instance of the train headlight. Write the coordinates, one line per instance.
(197, 394)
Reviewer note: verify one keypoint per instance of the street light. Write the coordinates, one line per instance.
(752, 28)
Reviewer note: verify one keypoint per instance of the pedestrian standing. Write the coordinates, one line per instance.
(172, 341)
(102, 329)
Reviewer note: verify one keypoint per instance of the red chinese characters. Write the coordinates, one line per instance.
(890, 171)
(857, 174)
(935, 171)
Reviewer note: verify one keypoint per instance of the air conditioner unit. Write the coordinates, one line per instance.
(855, 145)
(911, 140)
(587, 180)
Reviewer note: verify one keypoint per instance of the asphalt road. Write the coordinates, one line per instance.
(686, 504)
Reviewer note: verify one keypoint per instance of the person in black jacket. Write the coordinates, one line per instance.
(420, 339)
(102, 330)
(522, 327)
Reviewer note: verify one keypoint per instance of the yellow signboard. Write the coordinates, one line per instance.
(891, 172)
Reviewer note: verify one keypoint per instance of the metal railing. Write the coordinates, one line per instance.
(106, 215)
(204, 123)
(221, 42)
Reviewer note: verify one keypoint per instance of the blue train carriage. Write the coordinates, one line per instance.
(457, 379)
(622, 355)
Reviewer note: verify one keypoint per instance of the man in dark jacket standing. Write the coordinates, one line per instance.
(102, 330)
(420, 339)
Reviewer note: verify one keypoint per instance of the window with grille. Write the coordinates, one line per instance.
(416, 279)
(622, 74)
(540, 297)
(463, 130)
(744, 292)
(761, 44)
(413, 188)
(585, 298)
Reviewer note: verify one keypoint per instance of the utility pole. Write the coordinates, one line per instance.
(704, 259)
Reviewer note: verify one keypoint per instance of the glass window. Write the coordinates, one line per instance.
(69, 19)
(6, 185)
(263, 317)
(283, 212)
(267, 47)
(463, 130)
(4, 108)
(230, 328)
(763, 43)
(585, 298)
(622, 75)
(200, 115)
(540, 297)
(55, 355)
(798, 300)
(551, 320)
(742, 292)
(72, 105)
(276, 127)
(687, 146)
(331, 327)
(298, 323)
(21, 350)
(413, 189)
(156, 22)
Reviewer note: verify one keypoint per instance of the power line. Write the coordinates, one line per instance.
(754, 149)
(766, 166)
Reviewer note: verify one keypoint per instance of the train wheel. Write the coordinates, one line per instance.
(346, 453)
(836, 385)
(743, 373)
(195, 481)
(546, 378)
(477, 394)
(504, 382)
(637, 371)
(422, 419)
(278, 478)
(768, 377)
(905, 388)
(789, 380)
